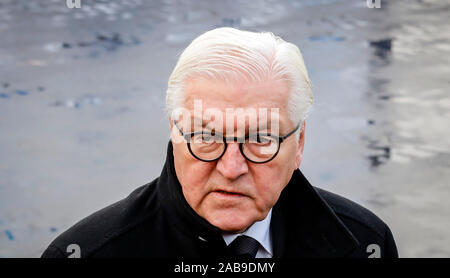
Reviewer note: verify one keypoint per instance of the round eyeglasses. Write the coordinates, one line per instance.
(209, 146)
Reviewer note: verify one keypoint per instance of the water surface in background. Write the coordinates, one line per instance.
(82, 118)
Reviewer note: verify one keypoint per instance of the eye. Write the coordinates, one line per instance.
(208, 138)
(260, 139)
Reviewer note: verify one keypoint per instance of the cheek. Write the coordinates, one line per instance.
(188, 169)
(269, 184)
(271, 178)
(193, 176)
(198, 175)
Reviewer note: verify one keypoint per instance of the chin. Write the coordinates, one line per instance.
(231, 222)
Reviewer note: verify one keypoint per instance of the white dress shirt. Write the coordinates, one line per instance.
(261, 232)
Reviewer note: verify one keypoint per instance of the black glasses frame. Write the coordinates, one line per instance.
(279, 139)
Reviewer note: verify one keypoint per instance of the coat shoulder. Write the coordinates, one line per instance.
(97, 229)
(348, 210)
(369, 229)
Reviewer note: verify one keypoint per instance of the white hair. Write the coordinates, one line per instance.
(230, 54)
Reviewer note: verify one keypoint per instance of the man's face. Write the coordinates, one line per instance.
(255, 187)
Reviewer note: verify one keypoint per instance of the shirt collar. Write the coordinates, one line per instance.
(259, 230)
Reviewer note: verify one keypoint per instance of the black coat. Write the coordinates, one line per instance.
(156, 221)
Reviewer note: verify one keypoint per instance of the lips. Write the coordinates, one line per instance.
(227, 193)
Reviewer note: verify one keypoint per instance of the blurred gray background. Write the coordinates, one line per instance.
(82, 94)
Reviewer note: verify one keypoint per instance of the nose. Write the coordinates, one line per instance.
(232, 164)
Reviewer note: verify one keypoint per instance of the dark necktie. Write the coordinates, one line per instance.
(244, 247)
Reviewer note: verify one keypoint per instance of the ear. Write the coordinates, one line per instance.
(300, 147)
(173, 133)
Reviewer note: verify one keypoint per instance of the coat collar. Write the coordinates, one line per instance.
(303, 224)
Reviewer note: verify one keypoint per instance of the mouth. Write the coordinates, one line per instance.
(224, 193)
(228, 192)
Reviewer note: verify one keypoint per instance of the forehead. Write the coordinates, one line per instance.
(221, 95)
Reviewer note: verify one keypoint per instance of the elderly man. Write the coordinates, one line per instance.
(230, 186)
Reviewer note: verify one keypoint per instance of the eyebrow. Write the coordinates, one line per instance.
(260, 125)
(262, 131)
(204, 122)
